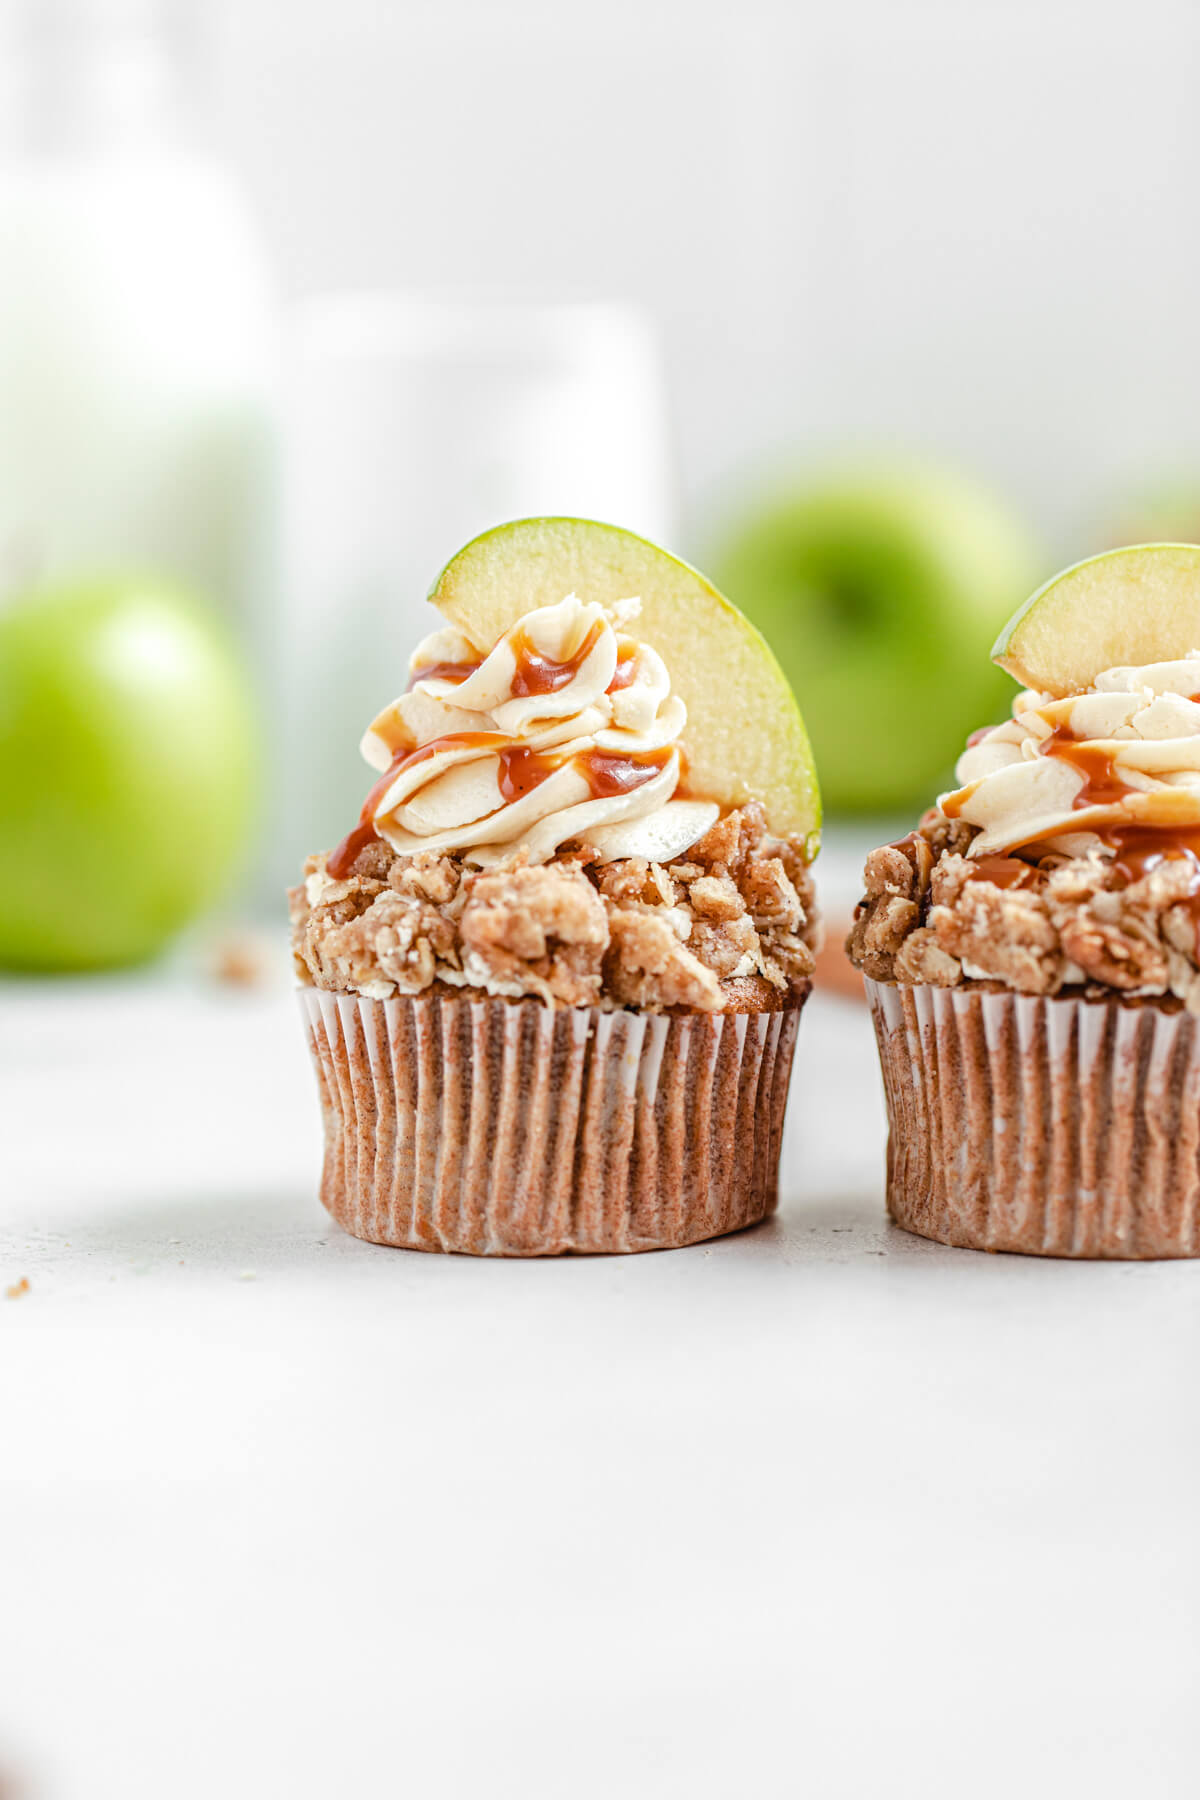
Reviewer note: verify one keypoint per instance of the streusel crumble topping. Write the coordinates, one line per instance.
(930, 914)
(730, 926)
(1067, 858)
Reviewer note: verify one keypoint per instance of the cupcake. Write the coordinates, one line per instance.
(1030, 950)
(553, 975)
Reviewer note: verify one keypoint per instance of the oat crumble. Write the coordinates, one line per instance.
(732, 926)
(927, 917)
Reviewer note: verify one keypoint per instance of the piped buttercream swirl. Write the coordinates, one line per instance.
(1066, 775)
(564, 731)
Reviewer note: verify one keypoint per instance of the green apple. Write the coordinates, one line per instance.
(745, 738)
(127, 762)
(880, 590)
(1165, 512)
(1140, 604)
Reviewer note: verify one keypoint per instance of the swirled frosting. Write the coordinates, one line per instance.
(565, 731)
(1065, 775)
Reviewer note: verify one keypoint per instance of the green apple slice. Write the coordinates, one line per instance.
(744, 739)
(1128, 607)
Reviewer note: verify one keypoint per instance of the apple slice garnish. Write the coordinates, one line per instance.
(1126, 608)
(744, 738)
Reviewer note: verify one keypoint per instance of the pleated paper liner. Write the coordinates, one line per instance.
(1049, 1126)
(507, 1128)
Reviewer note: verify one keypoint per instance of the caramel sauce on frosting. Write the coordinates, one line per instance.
(1132, 741)
(1073, 775)
(626, 668)
(608, 775)
(443, 671)
(523, 770)
(536, 674)
(565, 731)
(1102, 783)
(340, 861)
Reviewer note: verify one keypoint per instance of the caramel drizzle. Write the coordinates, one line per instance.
(1005, 871)
(1140, 849)
(606, 775)
(626, 669)
(1137, 849)
(443, 671)
(1102, 785)
(536, 674)
(341, 860)
(521, 770)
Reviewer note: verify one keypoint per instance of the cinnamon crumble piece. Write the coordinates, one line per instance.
(728, 948)
(647, 965)
(771, 896)
(1004, 933)
(544, 931)
(393, 946)
(922, 959)
(716, 897)
(426, 877)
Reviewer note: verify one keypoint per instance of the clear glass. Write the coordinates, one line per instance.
(412, 424)
(90, 77)
(136, 325)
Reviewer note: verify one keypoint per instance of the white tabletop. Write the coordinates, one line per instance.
(820, 1510)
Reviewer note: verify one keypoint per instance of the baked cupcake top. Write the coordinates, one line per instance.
(1068, 855)
(533, 831)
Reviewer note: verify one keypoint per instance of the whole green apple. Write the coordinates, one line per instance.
(127, 764)
(881, 592)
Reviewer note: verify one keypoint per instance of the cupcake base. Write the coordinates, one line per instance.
(1046, 1126)
(507, 1128)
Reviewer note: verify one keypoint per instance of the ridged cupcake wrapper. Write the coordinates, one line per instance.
(513, 1129)
(1053, 1127)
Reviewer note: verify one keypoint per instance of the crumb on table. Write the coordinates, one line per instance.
(239, 958)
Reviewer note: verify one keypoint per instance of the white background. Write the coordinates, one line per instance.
(820, 1512)
(966, 227)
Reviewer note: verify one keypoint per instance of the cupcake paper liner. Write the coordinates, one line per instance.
(507, 1128)
(1049, 1126)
